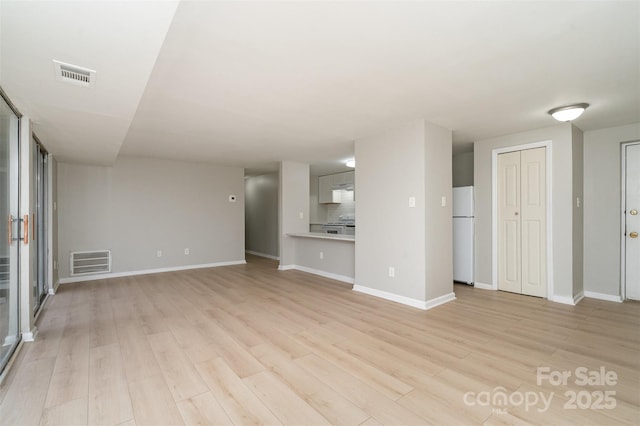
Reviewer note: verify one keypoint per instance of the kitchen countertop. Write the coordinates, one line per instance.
(322, 236)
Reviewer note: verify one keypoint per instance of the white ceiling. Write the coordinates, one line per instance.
(251, 83)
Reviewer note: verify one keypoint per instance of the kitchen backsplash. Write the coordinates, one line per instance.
(346, 208)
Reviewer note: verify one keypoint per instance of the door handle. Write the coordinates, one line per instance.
(633, 234)
(10, 230)
(26, 229)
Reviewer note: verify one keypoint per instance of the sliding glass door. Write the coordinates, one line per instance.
(9, 228)
(39, 229)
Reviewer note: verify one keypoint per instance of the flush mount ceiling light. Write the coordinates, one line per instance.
(350, 163)
(569, 112)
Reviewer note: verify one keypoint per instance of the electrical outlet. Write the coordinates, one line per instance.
(321, 255)
(55, 265)
(186, 251)
(159, 253)
(578, 202)
(412, 201)
(392, 272)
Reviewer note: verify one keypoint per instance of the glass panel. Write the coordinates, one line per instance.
(8, 229)
(39, 243)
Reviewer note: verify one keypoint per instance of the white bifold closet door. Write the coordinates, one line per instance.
(522, 224)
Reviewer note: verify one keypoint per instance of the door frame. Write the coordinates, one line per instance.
(494, 209)
(623, 205)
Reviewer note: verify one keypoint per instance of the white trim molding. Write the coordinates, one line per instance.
(568, 300)
(548, 144)
(257, 253)
(148, 271)
(602, 296)
(286, 267)
(483, 286)
(321, 273)
(30, 336)
(623, 218)
(415, 303)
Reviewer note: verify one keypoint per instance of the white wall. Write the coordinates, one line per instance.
(338, 259)
(261, 214)
(139, 206)
(293, 203)
(411, 161)
(463, 169)
(563, 204)
(438, 218)
(602, 207)
(578, 209)
(390, 234)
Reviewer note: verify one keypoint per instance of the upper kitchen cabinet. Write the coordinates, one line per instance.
(331, 187)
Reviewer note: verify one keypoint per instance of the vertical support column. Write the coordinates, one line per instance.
(293, 212)
(27, 256)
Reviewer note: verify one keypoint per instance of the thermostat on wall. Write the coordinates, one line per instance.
(232, 198)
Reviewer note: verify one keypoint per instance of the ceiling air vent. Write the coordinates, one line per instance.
(74, 74)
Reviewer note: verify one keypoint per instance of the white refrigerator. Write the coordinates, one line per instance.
(463, 223)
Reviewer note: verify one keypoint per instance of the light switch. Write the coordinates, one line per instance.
(301, 215)
(443, 201)
(412, 201)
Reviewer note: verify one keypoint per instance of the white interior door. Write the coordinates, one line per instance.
(533, 216)
(522, 224)
(632, 222)
(509, 254)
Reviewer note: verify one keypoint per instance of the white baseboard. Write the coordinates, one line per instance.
(148, 271)
(286, 267)
(563, 299)
(30, 336)
(441, 300)
(415, 303)
(319, 272)
(483, 286)
(602, 296)
(52, 291)
(9, 340)
(578, 297)
(257, 253)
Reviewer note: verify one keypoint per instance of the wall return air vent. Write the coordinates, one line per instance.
(90, 262)
(74, 74)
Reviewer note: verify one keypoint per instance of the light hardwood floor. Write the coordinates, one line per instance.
(252, 345)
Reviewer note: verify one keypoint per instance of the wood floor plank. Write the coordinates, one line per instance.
(71, 413)
(283, 401)
(109, 400)
(377, 378)
(383, 409)
(181, 377)
(70, 378)
(240, 404)
(24, 401)
(203, 410)
(139, 361)
(335, 408)
(152, 403)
